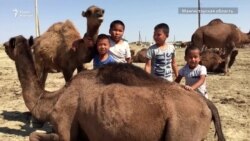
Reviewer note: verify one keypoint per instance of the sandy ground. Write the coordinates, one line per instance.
(231, 95)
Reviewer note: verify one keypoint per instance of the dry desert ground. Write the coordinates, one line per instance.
(231, 95)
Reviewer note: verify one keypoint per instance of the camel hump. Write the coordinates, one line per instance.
(61, 27)
(131, 75)
(215, 21)
(55, 27)
(69, 25)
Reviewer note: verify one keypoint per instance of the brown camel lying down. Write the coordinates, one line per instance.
(215, 62)
(140, 56)
(117, 102)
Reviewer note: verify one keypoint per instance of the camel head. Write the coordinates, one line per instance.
(245, 37)
(10, 46)
(94, 16)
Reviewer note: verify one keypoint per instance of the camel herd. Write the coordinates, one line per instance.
(100, 105)
(129, 105)
(216, 34)
(225, 36)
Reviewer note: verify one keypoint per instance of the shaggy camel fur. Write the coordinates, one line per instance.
(215, 62)
(100, 105)
(53, 50)
(218, 34)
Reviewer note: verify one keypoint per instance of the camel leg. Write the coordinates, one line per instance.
(67, 130)
(35, 136)
(67, 74)
(232, 58)
(228, 53)
(65, 121)
(40, 71)
(80, 68)
(43, 78)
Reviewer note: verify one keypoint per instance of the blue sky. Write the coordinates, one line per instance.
(137, 15)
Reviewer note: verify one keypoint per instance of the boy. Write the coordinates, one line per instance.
(119, 49)
(161, 56)
(102, 57)
(194, 73)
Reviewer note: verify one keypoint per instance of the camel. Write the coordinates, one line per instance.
(53, 51)
(99, 105)
(140, 56)
(217, 34)
(215, 62)
(180, 44)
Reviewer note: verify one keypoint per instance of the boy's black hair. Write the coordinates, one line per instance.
(191, 47)
(116, 22)
(102, 36)
(164, 27)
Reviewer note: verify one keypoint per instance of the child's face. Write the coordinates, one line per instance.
(193, 58)
(159, 36)
(116, 32)
(103, 46)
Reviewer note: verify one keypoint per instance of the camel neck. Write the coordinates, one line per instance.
(27, 75)
(31, 88)
(92, 32)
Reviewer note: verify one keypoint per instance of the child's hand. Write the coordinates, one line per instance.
(188, 87)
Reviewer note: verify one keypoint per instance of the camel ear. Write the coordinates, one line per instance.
(84, 14)
(12, 42)
(31, 41)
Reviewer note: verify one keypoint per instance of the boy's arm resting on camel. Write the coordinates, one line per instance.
(199, 82)
(195, 85)
(148, 66)
(174, 67)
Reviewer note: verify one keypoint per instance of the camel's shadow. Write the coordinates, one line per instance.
(16, 116)
(25, 118)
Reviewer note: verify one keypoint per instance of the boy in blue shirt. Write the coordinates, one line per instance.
(102, 57)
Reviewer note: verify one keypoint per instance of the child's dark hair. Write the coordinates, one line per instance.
(191, 47)
(116, 22)
(164, 27)
(102, 36)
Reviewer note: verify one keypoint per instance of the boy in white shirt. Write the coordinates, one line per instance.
(194, 73)
(161, 56)
(119, 49)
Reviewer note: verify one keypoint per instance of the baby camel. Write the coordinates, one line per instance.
(53, 51)
(102, 106)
